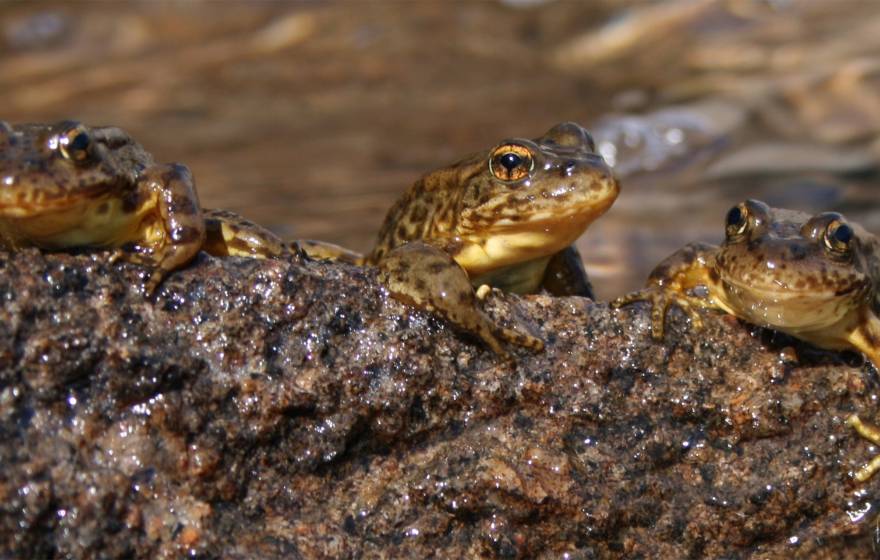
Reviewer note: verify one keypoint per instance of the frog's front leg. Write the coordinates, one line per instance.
(565, 275)
(174, 238)
(670, 282)
(426, 277)
(227, 234)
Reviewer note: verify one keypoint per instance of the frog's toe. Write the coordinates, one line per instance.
(872, 434)
(687, 306)
(658, 303)
(115, 255)
(628, 299)
(658, 319)
(527, 341)
(483, 291)
(151, 286)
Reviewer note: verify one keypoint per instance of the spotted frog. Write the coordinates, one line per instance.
(503, 218)
(66, 186)
(813, 277)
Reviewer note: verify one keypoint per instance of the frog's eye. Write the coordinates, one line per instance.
(511, 162)
(737, 220)
(75, 143)
(838, 237)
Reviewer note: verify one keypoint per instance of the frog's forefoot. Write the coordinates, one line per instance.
(872, 434)
(660, 301)
(179, 232)
(425, 277)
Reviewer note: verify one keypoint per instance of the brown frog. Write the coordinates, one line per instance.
(813, 277)
(66, 186)
(503, 218)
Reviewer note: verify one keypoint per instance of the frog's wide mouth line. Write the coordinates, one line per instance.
(20, 209)
(581, 214)
(40, 201)
(782, 294)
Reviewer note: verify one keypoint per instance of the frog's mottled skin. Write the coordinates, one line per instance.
(813, 277)
(66, 186)
(504, 218)
(227, 234)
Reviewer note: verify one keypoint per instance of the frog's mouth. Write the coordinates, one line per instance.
(785, 308)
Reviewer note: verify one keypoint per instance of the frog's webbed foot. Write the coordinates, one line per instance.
(872, 434)
(227, 233)
(660, 300)
(421, 275)
(180, 229)
(137, 255)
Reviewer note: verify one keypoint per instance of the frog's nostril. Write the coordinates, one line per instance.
(797, 252)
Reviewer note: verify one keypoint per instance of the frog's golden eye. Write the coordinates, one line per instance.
(75, 143)
(511, 162)
(838, 237)
(737, 220)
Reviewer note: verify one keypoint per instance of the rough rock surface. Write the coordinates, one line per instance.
(289, 409)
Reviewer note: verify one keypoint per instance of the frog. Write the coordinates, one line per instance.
(67, 186)
(502, 219)
(814, 277)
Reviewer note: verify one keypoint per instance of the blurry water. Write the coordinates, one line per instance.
(312, 117)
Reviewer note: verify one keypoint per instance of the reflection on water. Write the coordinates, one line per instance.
(311, 117)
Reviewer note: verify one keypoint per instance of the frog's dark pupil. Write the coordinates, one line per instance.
(79, 142)
(843, 234)
(735, 216)
(511, 161)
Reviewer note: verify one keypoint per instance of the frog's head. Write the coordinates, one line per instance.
(530, 198)
(50, 167)
(789, 270)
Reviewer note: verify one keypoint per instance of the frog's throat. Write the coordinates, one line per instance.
(501, 250)
(793, 311)
(531, 239)
(89, 223)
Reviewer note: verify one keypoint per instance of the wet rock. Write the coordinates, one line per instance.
(281, 409)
